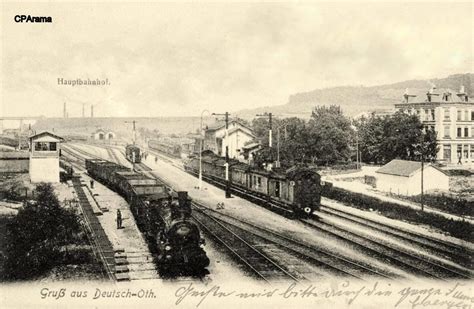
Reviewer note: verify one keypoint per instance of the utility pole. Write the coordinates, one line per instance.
(270, 115)
(201, 142)
(422, 168)
(134, 131)
(227, 180)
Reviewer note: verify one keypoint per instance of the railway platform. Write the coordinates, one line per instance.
(126, 249)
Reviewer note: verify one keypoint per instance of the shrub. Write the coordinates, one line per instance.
(36, 235)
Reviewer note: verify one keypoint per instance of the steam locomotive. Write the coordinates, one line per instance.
(295, 192)
(162, 216)
(133, 154)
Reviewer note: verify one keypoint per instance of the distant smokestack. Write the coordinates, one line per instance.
(83, 113)
(92, 111)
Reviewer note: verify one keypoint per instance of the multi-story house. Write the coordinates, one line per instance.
(216, 140)
(451, 115)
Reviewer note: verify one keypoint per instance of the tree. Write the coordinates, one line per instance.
(395, 137)
(36, 235)
(330, 134)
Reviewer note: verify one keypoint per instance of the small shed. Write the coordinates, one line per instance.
(44, 157)
(404, 178)
(101, 134)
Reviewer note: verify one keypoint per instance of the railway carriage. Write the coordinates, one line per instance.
(133, 153)
(166, 147)
(296, 191)
(162, 217)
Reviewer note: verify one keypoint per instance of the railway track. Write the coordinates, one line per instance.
(400, 257)
(102, 246)
(259, 263)
(332, 263)
(412, 262)
(458, 254)
(408, 260)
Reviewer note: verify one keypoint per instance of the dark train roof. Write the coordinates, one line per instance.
(132, 146)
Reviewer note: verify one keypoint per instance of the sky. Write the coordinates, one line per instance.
(177, 59)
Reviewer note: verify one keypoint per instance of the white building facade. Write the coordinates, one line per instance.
(451, 115)
(44, 157)
(216, 139)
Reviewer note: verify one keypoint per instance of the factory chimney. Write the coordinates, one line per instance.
(92, 111)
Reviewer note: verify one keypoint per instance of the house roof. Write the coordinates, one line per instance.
(403, 168)
(251, 146)
(221, 124)
(248, 132)
(400, 168)
(46, 133)
(420, 96)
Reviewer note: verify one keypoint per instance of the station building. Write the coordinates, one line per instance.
(451, 115)
(216, 140)
(44, 157)
(403, 177)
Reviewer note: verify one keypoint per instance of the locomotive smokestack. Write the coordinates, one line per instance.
(182, 197)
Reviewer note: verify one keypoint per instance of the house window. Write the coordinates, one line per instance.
(45, 146)
(472, 152)
(466, 115)
(447, 152)
(466, 132)
(472, 115)
(459, 151)
(277, 189)
(259, 181)
(432, 114)
(446, 131)
(459, 132)
(459, 115)
(466, 151)
(446, 114)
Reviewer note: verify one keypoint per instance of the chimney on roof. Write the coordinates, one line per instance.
(462, 94)
(431, 93)
(407, 95)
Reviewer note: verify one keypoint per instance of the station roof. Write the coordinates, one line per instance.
(46, 134)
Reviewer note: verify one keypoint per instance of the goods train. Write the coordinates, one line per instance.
(165, 147)
(296, 191)
(133, 154)
(162, 216)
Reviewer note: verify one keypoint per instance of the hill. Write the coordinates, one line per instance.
(357, 99)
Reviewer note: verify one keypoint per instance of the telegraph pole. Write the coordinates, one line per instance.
(227, 178)
(270, 115)
(134, 131)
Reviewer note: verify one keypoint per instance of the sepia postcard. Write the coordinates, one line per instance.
(227, 154)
